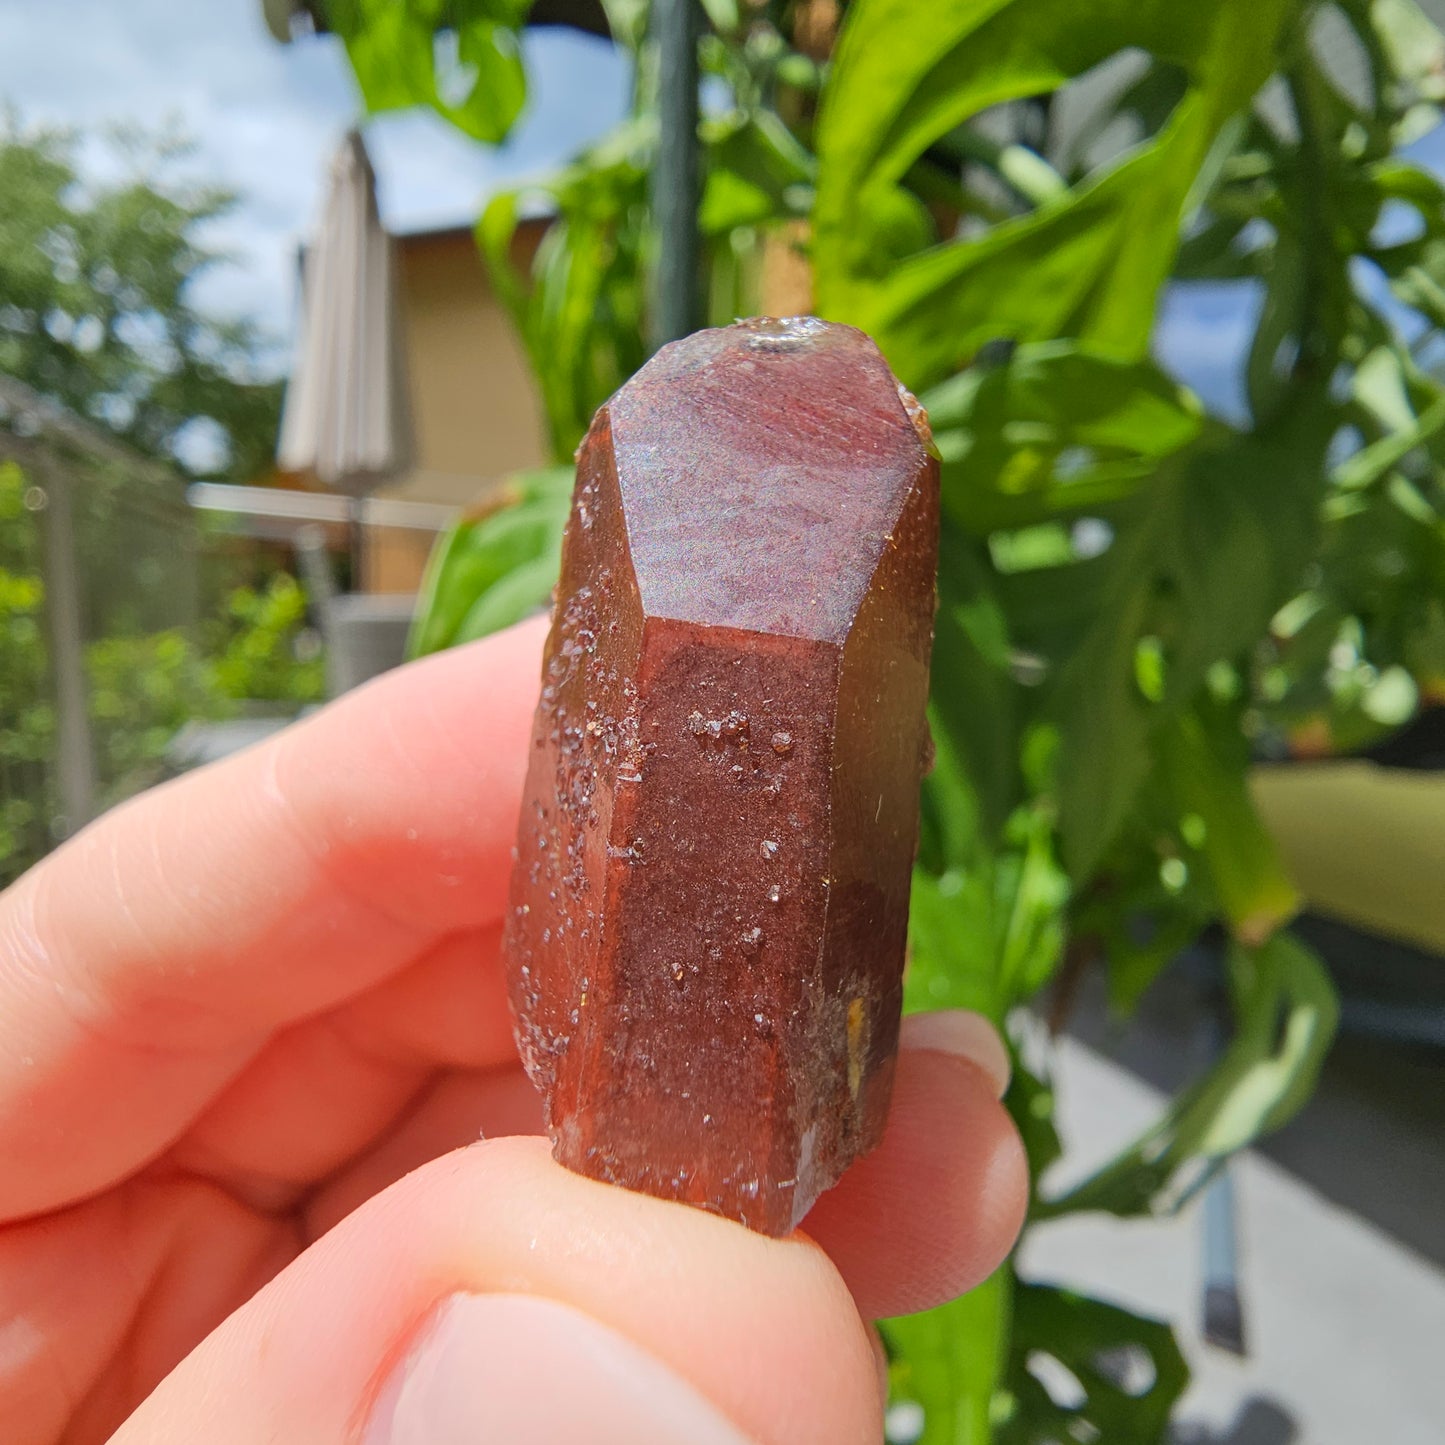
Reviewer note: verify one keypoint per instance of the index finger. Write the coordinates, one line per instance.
(148, 959)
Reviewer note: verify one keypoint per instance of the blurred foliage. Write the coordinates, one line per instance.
(96, 304)
(143, 690)
(1136, 596)
(122, 379)
(581, 307)
(144, 686)
(27, 712)
(256, 651)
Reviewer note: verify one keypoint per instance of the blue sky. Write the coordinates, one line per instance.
(266, 118)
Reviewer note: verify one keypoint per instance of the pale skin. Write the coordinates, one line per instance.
(252, 1027)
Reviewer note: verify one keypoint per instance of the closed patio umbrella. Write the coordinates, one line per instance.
(345, 420)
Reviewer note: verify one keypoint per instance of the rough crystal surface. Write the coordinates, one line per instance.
(709, 908)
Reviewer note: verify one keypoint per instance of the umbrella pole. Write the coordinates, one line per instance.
(356, 529)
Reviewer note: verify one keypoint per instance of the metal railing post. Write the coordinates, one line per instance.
(675, 177)
(75, 758)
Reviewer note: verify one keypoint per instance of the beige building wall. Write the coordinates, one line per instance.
(475, 411)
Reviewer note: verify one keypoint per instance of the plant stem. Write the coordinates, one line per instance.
(1322, 321)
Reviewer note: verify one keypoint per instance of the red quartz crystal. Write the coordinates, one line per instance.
(709, 909)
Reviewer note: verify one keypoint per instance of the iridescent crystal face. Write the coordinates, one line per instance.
(710, 900)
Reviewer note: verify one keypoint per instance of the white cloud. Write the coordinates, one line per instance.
(266, 118)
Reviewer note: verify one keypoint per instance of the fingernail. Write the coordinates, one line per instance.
(964, 1034)
(503, 1368)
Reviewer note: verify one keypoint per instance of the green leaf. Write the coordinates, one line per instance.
(1200, 561)
(951, 1361)
(1205, 771)
(1088, 264)
(905, 74)
(489, 571)
(1408, 51)
(394, 48)
(1030, 1102)
(493, 99)
(757, 172)
(1106, 1350)
(390, 51)
(1379, 386)
(1056, 427)
(579, 310)
(1371, 463)
(1277, 336)
(974, 713)
(519, 595)
(1032, 892)
(1134, 962)
(952, 947)
(627, 20)
(1285, 1015)
(988, 933)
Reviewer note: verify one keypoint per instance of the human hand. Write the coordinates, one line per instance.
(236, 1011)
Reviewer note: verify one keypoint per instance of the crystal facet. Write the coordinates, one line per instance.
(710, 902)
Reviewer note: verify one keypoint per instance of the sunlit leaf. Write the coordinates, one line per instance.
(579, 305)
(1201, 561)
(463, 60)
(1371, 463)
(1285, 1014)
(1055, 427)
(950, 1361)
(989, 932)
(1086, 265)
(757, 171)
(492, 569)
(1408, 51)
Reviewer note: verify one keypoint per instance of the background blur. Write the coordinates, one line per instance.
(304, 305)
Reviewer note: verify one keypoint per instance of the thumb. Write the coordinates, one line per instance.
(493, 1296)
(514, 1367)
